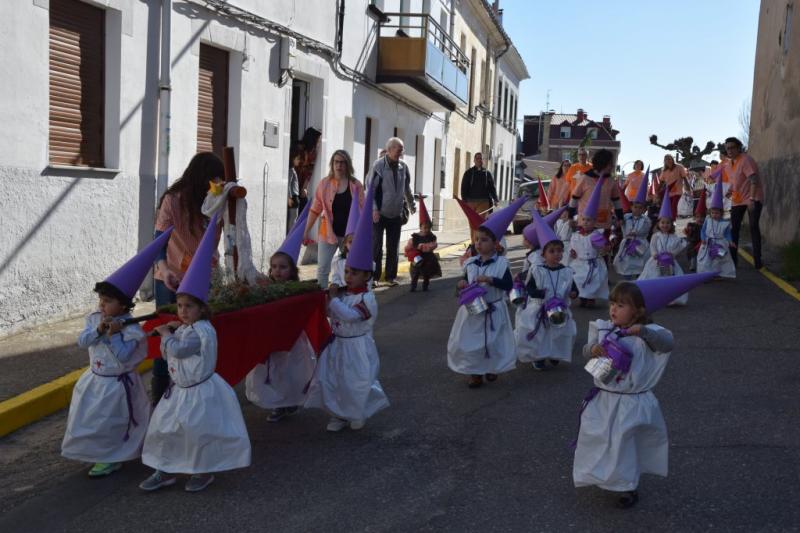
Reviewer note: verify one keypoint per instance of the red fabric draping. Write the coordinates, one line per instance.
(247, 336)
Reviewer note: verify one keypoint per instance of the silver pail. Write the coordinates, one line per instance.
(557, 316)
(518, 295)
(477, 306)
(601, 368)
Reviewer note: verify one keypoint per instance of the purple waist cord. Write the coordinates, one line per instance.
(127, 383)
(593, 392)
(488, 318)
(168, 392)
(590, 274)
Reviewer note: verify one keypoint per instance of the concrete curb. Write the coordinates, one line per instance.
(43, 400)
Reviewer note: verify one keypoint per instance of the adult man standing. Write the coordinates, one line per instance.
(392, 193)
(477, 187)
(747, 195)
(581, 167)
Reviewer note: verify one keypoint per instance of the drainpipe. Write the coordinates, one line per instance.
(164, 92)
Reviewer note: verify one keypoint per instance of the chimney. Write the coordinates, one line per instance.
(607, 121)
(581, 115)
(496, 6)
(500, 16)
(544, 148)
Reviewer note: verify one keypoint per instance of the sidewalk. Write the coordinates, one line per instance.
(39, 367)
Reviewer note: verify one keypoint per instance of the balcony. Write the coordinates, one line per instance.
(420, 62)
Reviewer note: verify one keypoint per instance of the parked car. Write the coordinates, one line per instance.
(523, 216)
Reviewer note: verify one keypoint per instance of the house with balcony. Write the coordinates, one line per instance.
(552, 136)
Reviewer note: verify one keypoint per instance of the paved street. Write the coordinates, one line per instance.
(447, 458)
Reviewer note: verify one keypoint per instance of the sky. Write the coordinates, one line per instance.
(673, 68)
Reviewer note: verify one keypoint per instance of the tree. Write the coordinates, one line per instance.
(688, 154)
(744, 122)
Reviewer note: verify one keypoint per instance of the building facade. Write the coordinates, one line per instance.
(775, 118)
(87, 149)
(552, 136)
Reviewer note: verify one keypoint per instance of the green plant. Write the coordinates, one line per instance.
(790, 261)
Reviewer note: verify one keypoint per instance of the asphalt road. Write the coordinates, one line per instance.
(447, 458)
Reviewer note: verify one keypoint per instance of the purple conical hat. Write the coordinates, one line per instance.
(594, 200)
(352, 217)
(500, 220)
(641, 192)
(659, 292)
(197, 280)
(716, 197)
(666, 206)
(360, 254)
(129, 277)
(530, 233)
(544, 231)
(291, 245)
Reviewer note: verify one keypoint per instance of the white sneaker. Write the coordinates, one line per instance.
(336, 424)
(357, 424)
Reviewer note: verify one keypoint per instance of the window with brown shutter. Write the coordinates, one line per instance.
(212, 100)
(77, 83)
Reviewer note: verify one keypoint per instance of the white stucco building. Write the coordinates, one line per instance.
(82, 137)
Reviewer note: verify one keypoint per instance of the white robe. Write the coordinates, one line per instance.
(633, 228)
(550, 342)
(99, 417)
(337, 270)
(717, 232)
(288, 374)
(564, 232)
(623, 435)
(346, 383)
(594, 286)
(673, 244)
(197, 427)
(484, 343)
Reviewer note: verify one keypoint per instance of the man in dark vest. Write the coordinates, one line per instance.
(477, 187)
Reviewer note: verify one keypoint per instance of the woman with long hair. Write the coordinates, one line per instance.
(558, 191)
(331, 205)
(180, 206)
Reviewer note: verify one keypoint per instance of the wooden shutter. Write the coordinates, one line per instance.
(212, 100)
(77, 83)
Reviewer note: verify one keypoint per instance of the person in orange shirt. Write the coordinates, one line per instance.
(673, 176)
(602, 163)
(581, 167)
(747, 195)
(633, 180)
(558, 191)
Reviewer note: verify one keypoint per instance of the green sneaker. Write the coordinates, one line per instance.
(104, 469)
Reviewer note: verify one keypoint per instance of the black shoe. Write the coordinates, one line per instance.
(628, 499)
(425, 285)
(758, 264)
(553, 362)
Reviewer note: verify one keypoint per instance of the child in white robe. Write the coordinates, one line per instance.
(338, 263)
(622, 431)
(632, 253)
(197, 428)
(280, 382)
(482, 345)
(109, 410)
(665, 246)
(590, 271)
(539, 341)
(714, 254)
(564, 233)
(345, 383)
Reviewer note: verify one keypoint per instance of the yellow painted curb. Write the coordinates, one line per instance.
(785, 287)
(44, 400)
(404, 266)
